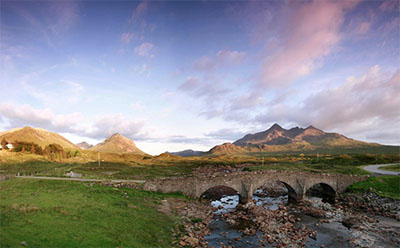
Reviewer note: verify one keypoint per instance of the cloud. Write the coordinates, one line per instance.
(226, 134)
(114, 123)
(366, 106)
(14, 115)
(58, 18)
(145, 50)
(246, 101)
(221, 58)
(140, 10)
(127, 37)
(312, 32)
(65, 14)
(389, 6)
(23, 115)
(210, 90)
(230, 57)
(52, 93)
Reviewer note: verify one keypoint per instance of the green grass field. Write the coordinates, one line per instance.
(386, 186)
(46, 213)
(395, 167)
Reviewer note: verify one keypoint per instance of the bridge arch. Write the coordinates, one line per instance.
(322, 190)
(216, 192)
(292, 194)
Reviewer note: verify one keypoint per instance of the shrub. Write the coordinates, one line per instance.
(28, 147)
(54, 151)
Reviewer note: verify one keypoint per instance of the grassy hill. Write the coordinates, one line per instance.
(117, 144)
(39, 136)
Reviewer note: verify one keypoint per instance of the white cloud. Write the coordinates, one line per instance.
(14, 115)
(367, 106)
(115, 123)
(23, 115)
(145, 50)
(221, 58)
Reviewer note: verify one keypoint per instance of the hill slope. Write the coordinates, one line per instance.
(39, 136)
(117, 144)
(276, 139)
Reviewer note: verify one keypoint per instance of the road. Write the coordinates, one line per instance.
(83, 179)
(375, 169)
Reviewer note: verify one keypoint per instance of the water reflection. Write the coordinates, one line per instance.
(225, 204)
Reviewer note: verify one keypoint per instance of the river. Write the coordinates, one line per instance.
(332, 234)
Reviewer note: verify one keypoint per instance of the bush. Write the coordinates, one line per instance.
(54, 151)
(28, 147)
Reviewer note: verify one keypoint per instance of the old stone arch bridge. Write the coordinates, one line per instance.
(245, 183)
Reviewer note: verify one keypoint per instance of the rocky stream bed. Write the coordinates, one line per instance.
(365, 220)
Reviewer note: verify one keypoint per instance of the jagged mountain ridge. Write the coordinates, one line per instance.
(276, 135)
(277, 138)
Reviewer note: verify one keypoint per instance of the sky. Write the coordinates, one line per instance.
(175, 75)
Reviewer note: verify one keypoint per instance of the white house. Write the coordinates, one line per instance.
(1, 147)
(9, 146)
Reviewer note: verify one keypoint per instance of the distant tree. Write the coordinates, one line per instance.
(54, 151)
(4, 144)
(69, 154)
(77, 153)
(28, 147)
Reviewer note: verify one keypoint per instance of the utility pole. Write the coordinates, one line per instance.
(98, 157)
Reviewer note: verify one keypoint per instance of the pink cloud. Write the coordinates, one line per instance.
(145, 49)
(364, 27)
(140, 10)
(312, 32)
(389, 5)
(127, 37)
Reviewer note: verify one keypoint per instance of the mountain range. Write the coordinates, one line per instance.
(277, 138)
(274, 139)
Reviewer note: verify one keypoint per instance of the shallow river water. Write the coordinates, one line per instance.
(328, 234)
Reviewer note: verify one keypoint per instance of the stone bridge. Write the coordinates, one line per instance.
(245, 183)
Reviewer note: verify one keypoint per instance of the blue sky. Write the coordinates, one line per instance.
(174, 75)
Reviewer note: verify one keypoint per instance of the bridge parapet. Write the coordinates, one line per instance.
(246, 182)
